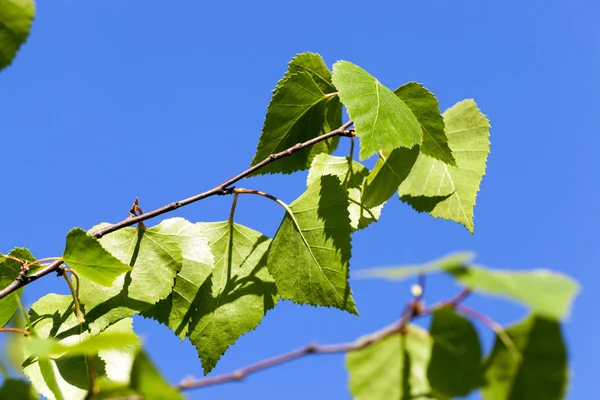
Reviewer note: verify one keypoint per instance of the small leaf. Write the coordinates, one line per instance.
(16, 389)
(88, 258)
(239, 294)
(541, 370)
(16, 17)
(156, 256)
(467, 130)
(527, 287)
(352, 174)
(427, 110)
(310, 252)
(302, 108)
(9, 270)
(383, 122)
(149, 383)
(389, 172)
(455, 368)
(394, 368)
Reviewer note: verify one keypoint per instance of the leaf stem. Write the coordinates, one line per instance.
(41, 260)
(75, 297)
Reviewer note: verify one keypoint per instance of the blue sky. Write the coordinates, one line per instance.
(110, 100)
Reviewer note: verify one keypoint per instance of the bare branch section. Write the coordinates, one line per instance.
(412, 310)
(222, 189)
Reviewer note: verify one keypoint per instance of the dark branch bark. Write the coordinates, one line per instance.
(222, 189)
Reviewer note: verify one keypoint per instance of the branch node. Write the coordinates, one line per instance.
(238, 375)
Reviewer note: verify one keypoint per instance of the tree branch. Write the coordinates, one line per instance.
(222, 189)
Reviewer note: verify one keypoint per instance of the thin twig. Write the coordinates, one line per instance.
(222, 189)
(16, 330)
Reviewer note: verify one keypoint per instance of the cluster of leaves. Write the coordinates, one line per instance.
(214, 281)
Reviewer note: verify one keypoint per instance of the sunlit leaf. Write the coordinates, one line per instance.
(310, 253)
(427, 110)
(149, 383)
(86, 256)
(302, 108)
(539, 372)
(237, 296)
(382, 120)
(119, 361)
(156, 256)
(454, 188)
(394, 368)
(9, 270)
(352, 175)
(16, 17)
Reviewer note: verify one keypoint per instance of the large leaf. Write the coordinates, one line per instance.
(382, 120)
(86, 256)
(302, 108)
(352, 174)
(427, 110)
(528, 287)
(156, 256)
(239, 294)
(16, 389)
(176, 310)
(454, 189)
(53, 317)
(16, 17)
(9, 270)
(394, 368)
(310, 252)
(389, 172)
(540, 372)
(118, 362)
(455, 368)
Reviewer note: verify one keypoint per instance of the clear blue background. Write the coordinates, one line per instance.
(110, 100)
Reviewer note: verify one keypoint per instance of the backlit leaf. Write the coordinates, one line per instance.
(9, 270)
(156, 256)
(149, 383)
(540, 372)
(16, 17)
(394, 368)
(302, 108)
(454, 188)
(382, 120)
(237, 296)
(86, 256)
(455, 368)
(352, 174)
(427, 110)
(310, 253)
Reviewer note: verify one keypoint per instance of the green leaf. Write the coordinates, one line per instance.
(86, 256)
(394, 368)
(528, 287)
(455, 368)
(53, 319)
(239, 294)
(302, 108)
(310, 252)
(541, 370)
(16, 17)
(9, 271)
(427, 110)
(149, 383)
(455, 188)
(16, 389)
(119, 362)
(156, 256)
(389, 172)
(382, 120)
(352, 174)
(176, 310)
